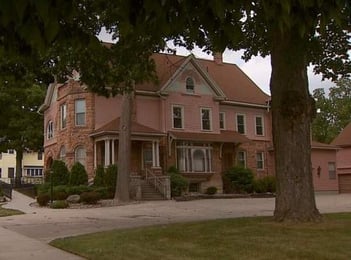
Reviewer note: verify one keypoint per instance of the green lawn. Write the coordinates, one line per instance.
(244, 238)
(9, 212)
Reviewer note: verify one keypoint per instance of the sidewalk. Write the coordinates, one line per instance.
(15, 246)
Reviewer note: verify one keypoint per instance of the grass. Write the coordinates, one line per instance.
(243, 238)
(9, 212)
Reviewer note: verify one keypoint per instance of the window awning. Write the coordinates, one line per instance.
(225, 136)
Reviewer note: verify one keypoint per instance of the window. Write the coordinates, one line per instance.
(194, 158)
(80, 155)
(205, 118)
(11, 151)
(240, 123)
(178, 114)
(190, 85)
(221, 120)
(63, 153)
(0, 173)
(50, 130)
(80, 112)
(63, 115)
(11, 172)
(33, 171)
(259, 161)
(331, 170)
(241, 158)
(259, 125)
(40, 156)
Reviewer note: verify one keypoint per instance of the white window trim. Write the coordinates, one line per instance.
(63, 111)
(224, 121)
(182, 113)
(262, 153)
(262, 119)
(50, 130)
(75, 112)
(245, 157)
(186, 86)
(236, 122)
(210, 118)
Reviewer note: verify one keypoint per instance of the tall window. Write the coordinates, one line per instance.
(11, 172)
(240, 123)
(40, 156)
(259, 160)
(63, 115)
(259, 125)
(178, 115)
(331, 170)
(80, 112)
(63, 153)
(50, 130)
(221, 120)
(80, 155)
(194, 158)
(241, 158)
(190, 85)
(205, 118)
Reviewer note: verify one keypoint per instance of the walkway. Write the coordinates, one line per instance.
(41, 225)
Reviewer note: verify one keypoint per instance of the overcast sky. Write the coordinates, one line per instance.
(258, 68)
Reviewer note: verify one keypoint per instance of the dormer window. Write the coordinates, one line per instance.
(190, 86)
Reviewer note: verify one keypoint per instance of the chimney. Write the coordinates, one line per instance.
(217, 57)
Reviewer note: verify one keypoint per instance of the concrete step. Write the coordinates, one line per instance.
(148, 192)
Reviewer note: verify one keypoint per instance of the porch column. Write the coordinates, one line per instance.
(95, 156)
(107, 152)
(113, 151)
(153, 154)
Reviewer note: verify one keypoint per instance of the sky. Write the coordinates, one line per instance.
(258, 68)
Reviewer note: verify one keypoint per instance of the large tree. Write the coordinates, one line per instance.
(333, 111)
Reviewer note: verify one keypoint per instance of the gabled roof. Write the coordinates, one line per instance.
(229, 78)
(48, 97)
(112, 127)
(225, 136)
(344, 138)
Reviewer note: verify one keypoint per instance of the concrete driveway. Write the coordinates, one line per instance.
(40, 225)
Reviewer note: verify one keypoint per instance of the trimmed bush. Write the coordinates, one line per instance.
(90, 197)
(78, 175)
(60, 195)
(211, 190)
(59, 204)
(72, 190)
(43, 199)
(265, 184)
(99, 176)
(238, 180)
(60, 175)
(104, 193)
(179, 183)
(111, 178)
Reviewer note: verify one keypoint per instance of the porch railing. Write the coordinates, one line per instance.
(160, 183)
(6, 189)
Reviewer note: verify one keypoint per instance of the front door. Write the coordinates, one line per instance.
(147, 156)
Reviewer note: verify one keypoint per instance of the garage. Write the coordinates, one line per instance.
(345, 183)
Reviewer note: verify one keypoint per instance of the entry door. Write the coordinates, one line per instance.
(227, 161)
(147, 156)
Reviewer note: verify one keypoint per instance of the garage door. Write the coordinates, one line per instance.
(345, 183)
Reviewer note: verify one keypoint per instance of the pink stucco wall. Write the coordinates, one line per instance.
(106, 109)
(321, 158)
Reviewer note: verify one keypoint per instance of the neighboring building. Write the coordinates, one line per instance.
(32, 166)
(343, 141)
(203, 117)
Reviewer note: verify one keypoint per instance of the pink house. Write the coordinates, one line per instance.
(202, 117)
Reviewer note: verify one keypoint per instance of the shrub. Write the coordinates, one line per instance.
(43, 199)
(111, 178)
(43, 188)
(104, 193)
(211, 190)
(179, 184)
(173, 169)
(99, 176)
(78, 174)
(59, 171)
(60, 195)
(265, 184)
(59, 204)
(1, 192)
(72, 190)
(238, 180)
(90, 197)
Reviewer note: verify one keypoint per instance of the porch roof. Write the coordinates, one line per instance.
(225, 136)
(112, 127)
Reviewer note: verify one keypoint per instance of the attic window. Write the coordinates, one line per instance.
(190, 85)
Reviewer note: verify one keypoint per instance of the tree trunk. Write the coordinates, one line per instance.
(292, 110)
(124, 149)
(19, 158)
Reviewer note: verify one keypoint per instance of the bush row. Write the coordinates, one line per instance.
(60, 175)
